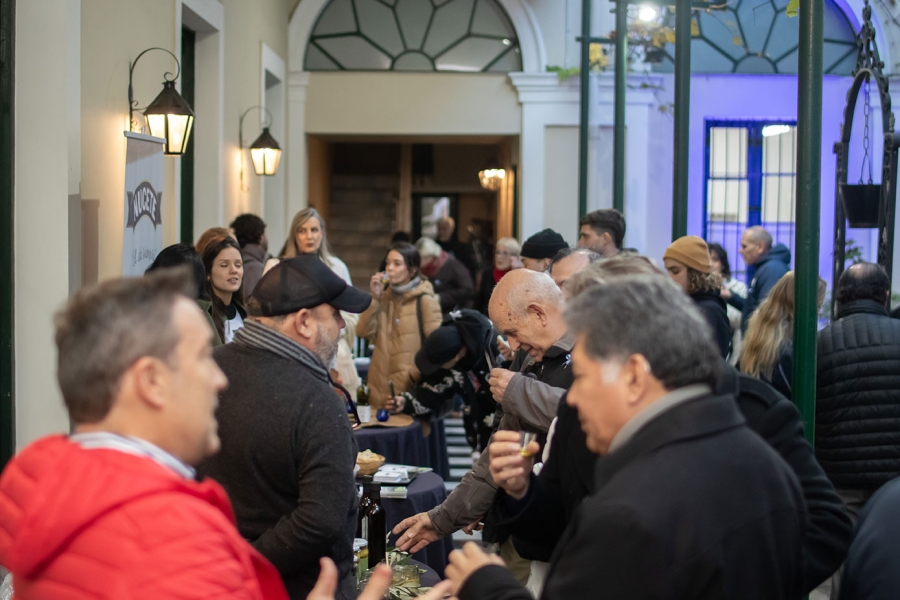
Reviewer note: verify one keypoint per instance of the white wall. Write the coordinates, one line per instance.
(411, 104)
(560, 182)
(41, 211)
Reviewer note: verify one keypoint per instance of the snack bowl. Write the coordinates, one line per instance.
(368, 462)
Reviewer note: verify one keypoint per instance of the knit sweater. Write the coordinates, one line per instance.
(287, 458)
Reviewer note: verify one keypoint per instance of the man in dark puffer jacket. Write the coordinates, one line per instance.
(858, 388)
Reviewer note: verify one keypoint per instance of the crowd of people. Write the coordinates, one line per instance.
(212, 410)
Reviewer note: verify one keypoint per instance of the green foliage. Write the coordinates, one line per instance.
(562, 72)
(793, 8)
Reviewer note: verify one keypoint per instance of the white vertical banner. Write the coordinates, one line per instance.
(142, 239)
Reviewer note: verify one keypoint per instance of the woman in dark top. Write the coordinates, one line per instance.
(224, 281)
(767, 350)
(687, 262)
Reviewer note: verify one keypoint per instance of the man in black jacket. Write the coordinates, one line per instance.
(567, 475)
(287, 449)
(858, 388)
(688, 502)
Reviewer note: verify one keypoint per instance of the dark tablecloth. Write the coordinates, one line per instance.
(429, 578)
(408, 446)
(424, 493)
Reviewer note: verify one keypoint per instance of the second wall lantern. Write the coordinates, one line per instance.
(265, 153)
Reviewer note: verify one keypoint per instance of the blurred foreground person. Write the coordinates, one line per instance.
(287, 450)
(872, 570)
(688, 502)
(113, 511)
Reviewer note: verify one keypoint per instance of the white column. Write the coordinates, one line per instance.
(295, 153)
(545, 102)
(41, 212)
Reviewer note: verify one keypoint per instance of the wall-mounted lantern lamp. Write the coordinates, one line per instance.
(169, 116)
(492, 176)
(264, 152)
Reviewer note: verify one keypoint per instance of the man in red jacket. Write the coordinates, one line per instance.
(113, 511)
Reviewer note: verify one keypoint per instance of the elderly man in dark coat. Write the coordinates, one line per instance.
(688, 502)
(858, 387)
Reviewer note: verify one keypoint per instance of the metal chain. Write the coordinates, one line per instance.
(866, 158)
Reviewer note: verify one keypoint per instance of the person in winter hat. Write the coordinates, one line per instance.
(538, 250)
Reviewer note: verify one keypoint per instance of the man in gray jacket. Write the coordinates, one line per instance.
(527, 307)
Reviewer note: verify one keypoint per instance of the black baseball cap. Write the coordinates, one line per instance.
(439, 348)
(303, 282)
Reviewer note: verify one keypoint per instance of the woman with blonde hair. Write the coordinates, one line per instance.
(767, 350)
(506, 258)
(307, 236)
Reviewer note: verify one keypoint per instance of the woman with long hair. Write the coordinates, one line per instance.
(178, 255)
(307, 235)
(768, 350)
(403, 313)
(731, 287)
(224, 282)
(687, 262)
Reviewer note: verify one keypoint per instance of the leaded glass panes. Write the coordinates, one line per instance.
(413, 35)
(756, 36)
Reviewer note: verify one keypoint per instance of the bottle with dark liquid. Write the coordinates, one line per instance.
(362, 402)
(376, 524)
(365, 502)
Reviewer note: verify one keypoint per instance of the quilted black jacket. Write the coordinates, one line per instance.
(858, 397)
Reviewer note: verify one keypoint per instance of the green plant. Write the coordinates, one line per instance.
(562, 72)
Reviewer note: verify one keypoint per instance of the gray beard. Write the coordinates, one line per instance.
(326, 349)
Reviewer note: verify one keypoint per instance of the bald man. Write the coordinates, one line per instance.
(771, 263)
(569, 261)
(527, 307)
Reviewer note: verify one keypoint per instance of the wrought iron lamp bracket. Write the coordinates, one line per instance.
(167, 76)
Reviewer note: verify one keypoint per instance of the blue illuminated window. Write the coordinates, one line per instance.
(750, 180)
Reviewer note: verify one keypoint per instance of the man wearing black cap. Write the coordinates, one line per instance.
(456, 358)
(538, 250)
(287, 449)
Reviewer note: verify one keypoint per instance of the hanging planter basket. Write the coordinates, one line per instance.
(654, 55)
(861, 203)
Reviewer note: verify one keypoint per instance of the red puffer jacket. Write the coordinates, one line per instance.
(78, 523)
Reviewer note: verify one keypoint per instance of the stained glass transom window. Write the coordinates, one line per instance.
(413, 35)
(756, 36)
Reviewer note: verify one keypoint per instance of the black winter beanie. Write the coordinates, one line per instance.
(543, 244)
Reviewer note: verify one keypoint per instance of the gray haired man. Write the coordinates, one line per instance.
(698, 500)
